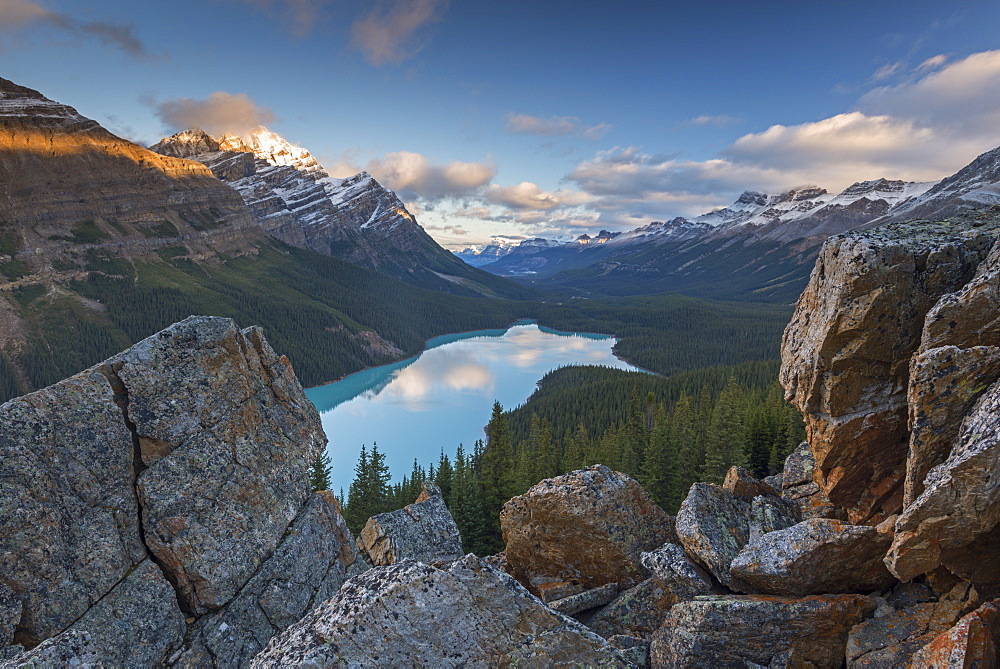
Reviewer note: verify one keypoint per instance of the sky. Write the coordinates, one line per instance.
(540, 118)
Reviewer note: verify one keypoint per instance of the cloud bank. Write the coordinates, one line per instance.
(525, 124)
(219, 114)
(412, 175)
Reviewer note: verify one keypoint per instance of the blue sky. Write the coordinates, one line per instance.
(540, 118)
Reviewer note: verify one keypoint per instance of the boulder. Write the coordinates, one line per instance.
(633, 649)
(414, 614)
(308, 567)
(69, 519)
(742, 483)
(637, 612)
(733, 630)
(672, 567)
(845, 354)
(973, 642)
(798, 486)
(891, 640)
(226, 436)
(960, 503)
(10, 614)
(714, 525)
(589, 526)
(770, 514)
(815, 556)
(423, 531)
(139, 620)
(586, 600)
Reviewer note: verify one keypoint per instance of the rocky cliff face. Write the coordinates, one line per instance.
(65, 180)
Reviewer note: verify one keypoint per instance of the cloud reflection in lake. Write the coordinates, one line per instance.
(416, 408)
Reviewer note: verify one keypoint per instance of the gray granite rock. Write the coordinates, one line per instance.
(633, 649)
(637, 612)
(69, 521)
(671, 565)
(138, 624)
(314, 559)
(227, 436)
(423, 531)
(798, 486)
(733, 630)
(813, 557)
(10, 614)
(414, 614)
(714, 524)
(69, 649)
(586, 600)
(770, 514)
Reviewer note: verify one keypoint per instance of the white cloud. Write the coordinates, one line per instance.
(218, 114)
(387, 36)
(933, 63)
(888, 70)
(718, 120)
(525, 124)
(412, 175)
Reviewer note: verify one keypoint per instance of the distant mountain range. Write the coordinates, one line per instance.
(760, 247)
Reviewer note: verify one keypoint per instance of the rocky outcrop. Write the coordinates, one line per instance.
(816, 556)
(741, 482)
(714, 525)
(589, 527)
(797, 485)
(846, 352)
(169, 481)
(973, 642)
(892, 639)
(637, 612)
(730, 631)
(422, 531)
(413, 614)
(226, 435)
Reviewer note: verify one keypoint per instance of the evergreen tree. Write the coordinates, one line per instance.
(725, 445)
(319, 472)
(445, 475)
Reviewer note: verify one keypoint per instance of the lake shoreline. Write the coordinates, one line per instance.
(519, 321)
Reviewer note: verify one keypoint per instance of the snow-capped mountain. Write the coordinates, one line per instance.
(809, 211)
(295, 200)
(501, 247)
(974, 186)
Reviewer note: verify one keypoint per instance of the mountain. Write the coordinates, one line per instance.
(501, 247)
(760, 247)
(103, 242)
(355, 219)
(975, 186)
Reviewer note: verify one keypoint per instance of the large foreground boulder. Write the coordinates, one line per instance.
(816, 556)
(226, 435)
(973, 642)
(730, 631)
(846, 352)
(892, 639)
(588, 527)
(413, 614)
(422, 531)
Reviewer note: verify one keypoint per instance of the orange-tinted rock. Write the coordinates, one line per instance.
(960, 503)
(845, 354)
(732, 630)
(741, 482)
(589, 526)
(892, 639)
(973, 642)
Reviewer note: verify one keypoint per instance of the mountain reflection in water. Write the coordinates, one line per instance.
(443, 397)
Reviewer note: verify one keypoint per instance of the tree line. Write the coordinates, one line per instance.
(665, 445)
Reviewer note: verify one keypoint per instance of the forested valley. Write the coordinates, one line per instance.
(667, 432)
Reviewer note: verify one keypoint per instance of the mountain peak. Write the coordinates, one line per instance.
(273, 149)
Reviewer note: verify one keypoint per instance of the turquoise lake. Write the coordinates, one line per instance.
(444, 396)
